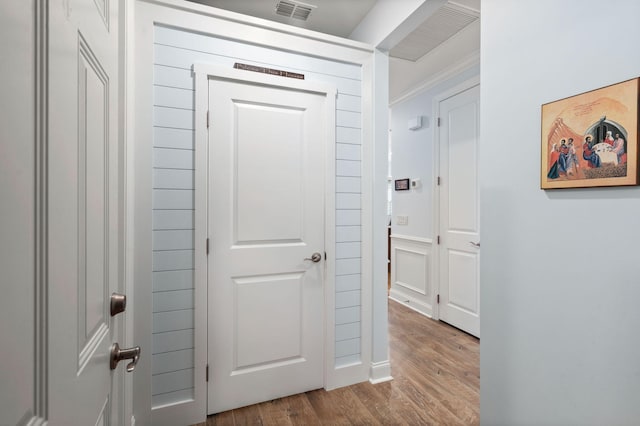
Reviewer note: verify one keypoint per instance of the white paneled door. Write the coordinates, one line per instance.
(459, 253)
(83, 210)
(266, 224)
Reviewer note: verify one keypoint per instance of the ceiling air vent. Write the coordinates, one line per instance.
(447, 21)
(293, 9)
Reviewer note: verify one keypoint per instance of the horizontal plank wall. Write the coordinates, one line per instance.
(175, 51)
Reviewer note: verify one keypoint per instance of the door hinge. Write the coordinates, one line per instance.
(438, 121)
(207, 119)
(207, 373)
(439, 181)
(438, 239)
(437, 301)
(207, 246)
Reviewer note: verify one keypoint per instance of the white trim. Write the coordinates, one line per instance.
(36, 421)
(412, 238)
(411, 304)
(380, 372)
(213, 12)
(41, 230)
(435, 108)
(127, 22)
(140, 129)
(330, 241)
(433, 80)
(203, 72)
(359, 371)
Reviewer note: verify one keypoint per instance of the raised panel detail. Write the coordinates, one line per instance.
(463, 271)
(268, 320)
(268, 173)
(93, 206)
(412, 270)
(103, 417)
(103, 10)
(462, 191)
(411, 273)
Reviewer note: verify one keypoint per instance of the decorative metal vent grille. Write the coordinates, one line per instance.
(295, 10)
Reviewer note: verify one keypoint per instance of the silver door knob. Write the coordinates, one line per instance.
(315, 257)
(118, 355)
(474, 243)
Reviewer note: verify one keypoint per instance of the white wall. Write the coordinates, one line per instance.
(560, 338)
(412, 157)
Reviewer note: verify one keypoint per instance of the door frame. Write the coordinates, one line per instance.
(435, 107)
(203, 73)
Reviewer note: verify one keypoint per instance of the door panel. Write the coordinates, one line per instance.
(266, 215)
(258, 213)
(83, 197)
(459, 202)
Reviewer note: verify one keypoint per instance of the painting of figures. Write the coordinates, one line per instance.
(591, 139)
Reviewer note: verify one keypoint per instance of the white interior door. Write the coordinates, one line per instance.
(266, 215)
(459, 253)
(83, 205)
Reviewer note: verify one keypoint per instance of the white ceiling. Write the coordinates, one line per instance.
(336, 17)
(341, 17)
(435, 30)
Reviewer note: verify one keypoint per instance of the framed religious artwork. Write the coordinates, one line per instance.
(591, 139)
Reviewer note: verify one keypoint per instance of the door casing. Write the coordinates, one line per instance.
(203, 72)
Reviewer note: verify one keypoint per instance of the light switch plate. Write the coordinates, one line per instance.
(402, 220)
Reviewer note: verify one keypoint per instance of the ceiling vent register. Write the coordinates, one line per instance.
(293, 9)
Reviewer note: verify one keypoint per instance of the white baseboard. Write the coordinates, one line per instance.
(380, 372)
(410, 302)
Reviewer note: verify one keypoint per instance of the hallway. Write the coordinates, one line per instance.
(436, 381)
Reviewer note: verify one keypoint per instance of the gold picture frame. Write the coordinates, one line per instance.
(591, 139)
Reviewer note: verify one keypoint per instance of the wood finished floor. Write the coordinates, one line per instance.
(436, 380)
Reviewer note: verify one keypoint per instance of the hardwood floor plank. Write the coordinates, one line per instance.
(301, 411)
(340, 407)
(222, 419)
(248, 416)
(436, 370)
(275, 412)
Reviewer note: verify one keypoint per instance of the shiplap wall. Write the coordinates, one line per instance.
(173, 203)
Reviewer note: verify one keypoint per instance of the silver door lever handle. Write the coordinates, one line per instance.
(315, 257)
(475, 244)
(118, 355)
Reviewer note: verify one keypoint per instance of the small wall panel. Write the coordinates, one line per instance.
(411, 273)
(411, 270)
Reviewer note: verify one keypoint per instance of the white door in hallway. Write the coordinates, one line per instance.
(83, 210)
(459, 250)
(266, 220)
